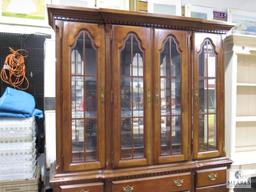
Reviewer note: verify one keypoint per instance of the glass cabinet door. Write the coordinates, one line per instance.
(83, 96)
(208, 97)
(171, 96)
(132, 91)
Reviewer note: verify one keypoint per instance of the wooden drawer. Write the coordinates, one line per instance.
(209, 177)
(91, 187)
(219, 188)
(178, 182)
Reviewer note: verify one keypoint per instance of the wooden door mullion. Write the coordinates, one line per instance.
(170, 67)
(84, 94)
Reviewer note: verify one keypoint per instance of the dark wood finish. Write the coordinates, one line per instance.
(108, 30)
(109, 102)
(71, 31)
(199, 39)
(179, 182)
(181, 40)
(118, 17)
(59, 96)
(120, 33)
(92, 187)
(190, 95)
(209, 177)
(139, 172)
(218, 188)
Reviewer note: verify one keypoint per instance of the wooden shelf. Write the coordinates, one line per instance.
(246, 84)
(245, 118)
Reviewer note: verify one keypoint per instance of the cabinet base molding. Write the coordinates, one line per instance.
(176, 174)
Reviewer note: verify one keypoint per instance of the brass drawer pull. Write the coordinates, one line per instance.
(212, 176)
(157, 98)
(148, 96)
(128, 188)
(196, 97)
(84, 190)
(178, 182)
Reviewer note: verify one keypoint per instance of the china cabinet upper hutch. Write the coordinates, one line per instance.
(139, 102)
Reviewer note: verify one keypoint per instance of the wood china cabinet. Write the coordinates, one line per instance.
(139, 102)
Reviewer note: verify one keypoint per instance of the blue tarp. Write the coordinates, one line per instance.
(16, 103)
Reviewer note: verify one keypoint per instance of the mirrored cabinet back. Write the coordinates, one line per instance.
(139, 102)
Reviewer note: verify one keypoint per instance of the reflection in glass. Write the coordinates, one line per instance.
(170, 90)
(126, 141)
(202, 96)
(165, 132)
(84, 103)
(77, 140)
(138, 131)
(77, 96)
(132, 101)
(170, 146)
(212, 95)
(207, 97)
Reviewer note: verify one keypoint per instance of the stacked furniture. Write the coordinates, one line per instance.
(18, 154)
(139, 102)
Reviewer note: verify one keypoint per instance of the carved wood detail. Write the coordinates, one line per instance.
(118, 17)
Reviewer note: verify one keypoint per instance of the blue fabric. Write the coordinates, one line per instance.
(38, 113)
(17, 115)
(16, 103)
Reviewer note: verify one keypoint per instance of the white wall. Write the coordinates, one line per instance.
(248, 5)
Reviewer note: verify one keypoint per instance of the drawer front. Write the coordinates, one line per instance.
(220, 188)
(209, 177)
(91, 187)
(179, 182)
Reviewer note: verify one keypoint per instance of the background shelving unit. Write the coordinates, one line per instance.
(240, 102)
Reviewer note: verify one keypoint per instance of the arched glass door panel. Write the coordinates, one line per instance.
(132, 99)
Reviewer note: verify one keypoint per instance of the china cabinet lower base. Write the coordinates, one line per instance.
(201, 175)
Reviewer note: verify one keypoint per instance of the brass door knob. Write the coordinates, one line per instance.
(157, 98)
(148, 96)
(102, 95)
